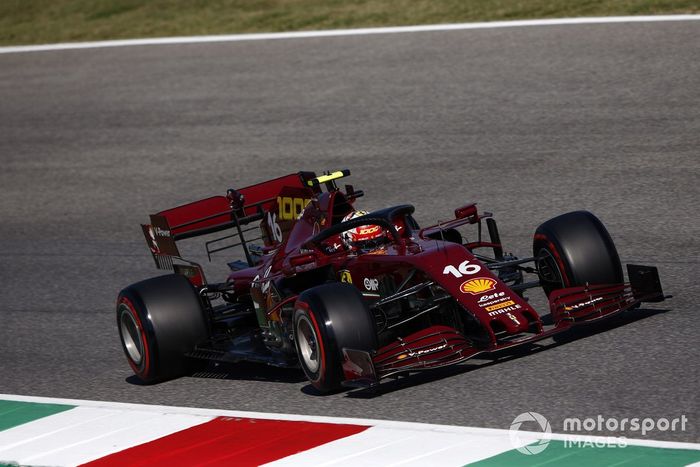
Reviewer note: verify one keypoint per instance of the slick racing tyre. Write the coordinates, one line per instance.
(328, 318)
(575, 249)
(159, 321)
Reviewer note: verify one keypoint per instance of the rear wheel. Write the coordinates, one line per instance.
(327, 319)
(159, 321)
(575, 249)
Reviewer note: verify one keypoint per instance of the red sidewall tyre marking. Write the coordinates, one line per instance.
(319, 340)
(146, 352)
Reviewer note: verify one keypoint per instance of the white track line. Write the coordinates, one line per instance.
(424, 427)
(345, 32)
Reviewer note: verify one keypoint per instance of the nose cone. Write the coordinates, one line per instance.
(511, 318)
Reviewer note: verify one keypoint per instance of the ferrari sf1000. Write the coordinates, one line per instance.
(352, 297)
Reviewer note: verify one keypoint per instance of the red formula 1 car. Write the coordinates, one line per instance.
(353, 297)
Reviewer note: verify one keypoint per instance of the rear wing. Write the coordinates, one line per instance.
(236, 210)
(238, 206)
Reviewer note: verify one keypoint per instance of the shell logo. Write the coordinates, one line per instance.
(478, 285)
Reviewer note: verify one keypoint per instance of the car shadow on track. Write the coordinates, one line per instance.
(243, 371)
(430, 376)
(246, 371)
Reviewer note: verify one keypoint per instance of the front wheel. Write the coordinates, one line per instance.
(327, 319)
(575, 249)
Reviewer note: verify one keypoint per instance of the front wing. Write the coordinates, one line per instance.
(440, 346)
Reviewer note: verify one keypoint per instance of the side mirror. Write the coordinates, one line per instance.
(465, 211)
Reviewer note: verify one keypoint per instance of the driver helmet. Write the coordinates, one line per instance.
(364, 237)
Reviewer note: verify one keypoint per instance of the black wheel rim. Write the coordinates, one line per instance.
(548, 270)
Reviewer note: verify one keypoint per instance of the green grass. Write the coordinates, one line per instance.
(45, 21)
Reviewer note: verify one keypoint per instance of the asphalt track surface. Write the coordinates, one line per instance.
(529, 122)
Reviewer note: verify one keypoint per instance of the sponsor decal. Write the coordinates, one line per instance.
(464, 269)
(161, 232)
(159, 238)
(151, 239)
(371, 283)
(291, 208)
(418, 353)
(330, 249)
(345, 276)
(514, 319)
(369, 230)
(478, 286)
(486, 301)
(500, 305)
(505, 310)
(582, 304)
(492, 302)
(264, 285)
(486, 298)
(425, 351)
